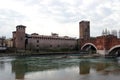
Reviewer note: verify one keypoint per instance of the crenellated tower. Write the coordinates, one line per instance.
(84, 32)
(19, 36)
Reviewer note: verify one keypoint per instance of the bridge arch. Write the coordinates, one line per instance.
(89, 46)
(114, 51)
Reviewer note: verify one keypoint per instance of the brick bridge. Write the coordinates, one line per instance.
(104, 45)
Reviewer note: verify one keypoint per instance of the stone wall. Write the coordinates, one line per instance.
(51, 43)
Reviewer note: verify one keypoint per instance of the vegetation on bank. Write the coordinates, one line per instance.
(16, 52)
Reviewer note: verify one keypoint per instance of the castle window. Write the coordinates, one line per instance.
(71, 45)
(50, 45)
(37, 41)
(58, 46)
(37, 45)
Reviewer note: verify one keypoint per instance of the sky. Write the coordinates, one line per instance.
(58, 16)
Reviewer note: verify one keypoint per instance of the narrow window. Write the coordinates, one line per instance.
(50, 45)
(37, 41)
(37, 45)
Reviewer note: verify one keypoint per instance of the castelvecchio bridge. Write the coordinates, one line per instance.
(104, 45)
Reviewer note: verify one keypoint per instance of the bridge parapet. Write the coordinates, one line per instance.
(91, 40)
(102, 43)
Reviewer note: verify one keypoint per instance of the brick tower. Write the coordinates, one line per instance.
(20, 37)
(84, 32)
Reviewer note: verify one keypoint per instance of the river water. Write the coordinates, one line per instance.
(59, 68)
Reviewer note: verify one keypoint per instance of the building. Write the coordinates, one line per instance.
(114, 32)
(19, 37)
(2, 41)
(34, 41)
(84, 32)
(3, 45)
(119, 34)
(9, 43)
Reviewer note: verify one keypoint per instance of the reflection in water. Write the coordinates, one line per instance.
(112, 68)
(84, 67)
(101, 66)
(19, 68)
(5, 69)
(2, 65)
(53, 68)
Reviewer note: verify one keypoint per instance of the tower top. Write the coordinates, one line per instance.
(20, 26)
(84, 21)
(84, 30)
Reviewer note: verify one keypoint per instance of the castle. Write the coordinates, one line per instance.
(106, 44)
(22, 40)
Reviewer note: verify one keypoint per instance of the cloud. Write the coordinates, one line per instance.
(8, 20)
(46, 16)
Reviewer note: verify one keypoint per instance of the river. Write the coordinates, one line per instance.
(59, 68)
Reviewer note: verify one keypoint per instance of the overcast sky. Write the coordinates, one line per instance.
(58, 16)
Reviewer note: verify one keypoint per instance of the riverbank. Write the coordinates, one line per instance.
(80, 54)
(71, 54)
(26, 53)
(83, 54)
